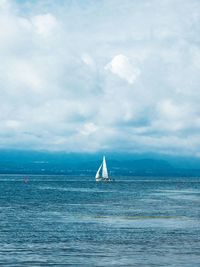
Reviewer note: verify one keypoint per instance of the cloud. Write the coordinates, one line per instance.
(44, 24)
(92, 75)
(12, 124)
(121, 66)
(88, 128)
(88, 60)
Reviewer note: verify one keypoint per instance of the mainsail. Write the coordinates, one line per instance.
(104, 169)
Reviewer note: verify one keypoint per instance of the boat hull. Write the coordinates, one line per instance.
(105, 180)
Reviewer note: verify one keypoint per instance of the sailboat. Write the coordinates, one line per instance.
(102, 172)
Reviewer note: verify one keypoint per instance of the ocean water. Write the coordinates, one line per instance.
(58, 221)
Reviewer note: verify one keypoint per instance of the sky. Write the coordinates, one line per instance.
(104, 75)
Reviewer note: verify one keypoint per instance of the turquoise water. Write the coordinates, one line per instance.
(51, 221)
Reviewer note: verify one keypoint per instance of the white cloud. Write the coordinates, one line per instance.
(121, 66)
(23, 73)
(4, 4)
(88, 128)
(44, 24)
(118, 75)
(13, 124)
(88, 60)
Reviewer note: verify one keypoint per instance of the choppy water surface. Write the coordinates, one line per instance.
(57, 222)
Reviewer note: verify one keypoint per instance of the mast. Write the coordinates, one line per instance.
(104, 169)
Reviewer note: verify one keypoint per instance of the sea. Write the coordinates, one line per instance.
(74, 221)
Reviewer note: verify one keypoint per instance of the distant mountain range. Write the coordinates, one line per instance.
(41, 162)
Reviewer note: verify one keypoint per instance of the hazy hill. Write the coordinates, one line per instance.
(33, 162)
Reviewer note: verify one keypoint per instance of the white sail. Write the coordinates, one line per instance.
(104, 169)
(102, 173)
(97, 174)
